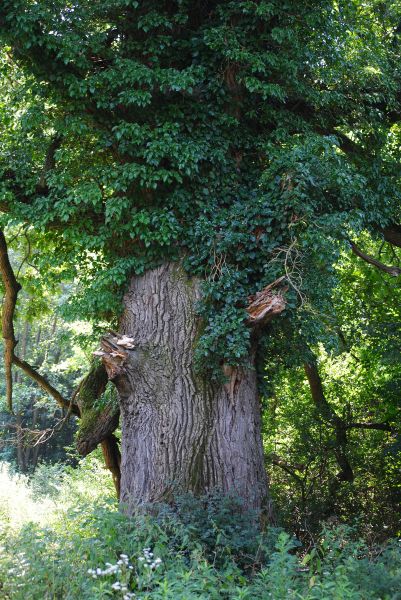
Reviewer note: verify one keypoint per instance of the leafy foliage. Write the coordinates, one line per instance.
(360, 376)
(86, 549)
(228, 133)
(39, 430)
(247, 140)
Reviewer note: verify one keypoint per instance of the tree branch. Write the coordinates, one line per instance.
(392, 234)
(46, 386)
(97, 426)
(50, 163)
(291, 470)
(112, 459)
(12, 287)
(96, 423)
(378, 426)
(329, 415)
(393, 271)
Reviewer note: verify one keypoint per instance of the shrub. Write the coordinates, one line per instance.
(78, 546)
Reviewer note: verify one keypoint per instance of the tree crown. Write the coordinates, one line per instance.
(248, 139)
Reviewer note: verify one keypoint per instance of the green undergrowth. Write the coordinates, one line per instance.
(62, 537)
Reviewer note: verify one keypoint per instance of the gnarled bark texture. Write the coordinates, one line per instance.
(180, 432)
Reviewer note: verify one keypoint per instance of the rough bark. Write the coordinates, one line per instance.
(180, 432)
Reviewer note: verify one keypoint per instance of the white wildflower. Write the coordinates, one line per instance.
(116, 586)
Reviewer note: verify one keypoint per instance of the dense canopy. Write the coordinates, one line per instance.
(251, 139)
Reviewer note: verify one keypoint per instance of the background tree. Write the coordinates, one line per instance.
(39, 429)
(338, 455)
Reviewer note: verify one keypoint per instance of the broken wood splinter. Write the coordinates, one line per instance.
(267, 303)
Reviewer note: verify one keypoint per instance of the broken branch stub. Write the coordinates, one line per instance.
(268, 303)
(114, 353)
(264, 306)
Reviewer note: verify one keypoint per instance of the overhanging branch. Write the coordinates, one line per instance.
(392, 270)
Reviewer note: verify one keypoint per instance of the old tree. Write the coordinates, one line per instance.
(195, 168)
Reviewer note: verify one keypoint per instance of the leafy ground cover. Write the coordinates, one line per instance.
(62, 537)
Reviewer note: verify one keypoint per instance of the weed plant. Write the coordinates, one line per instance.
(70, 542)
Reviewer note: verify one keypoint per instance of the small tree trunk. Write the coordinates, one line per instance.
(180, 432)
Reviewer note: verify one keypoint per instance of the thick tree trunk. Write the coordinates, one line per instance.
(180, 432)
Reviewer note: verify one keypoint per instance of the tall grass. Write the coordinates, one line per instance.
(17, 505)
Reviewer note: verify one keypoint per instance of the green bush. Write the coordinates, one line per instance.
(83, 548)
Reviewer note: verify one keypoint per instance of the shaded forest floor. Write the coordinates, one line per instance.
(62, 537)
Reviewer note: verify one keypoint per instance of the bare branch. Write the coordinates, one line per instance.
(378, 426)
(45, 385)
(394, 271)
(292, 259)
